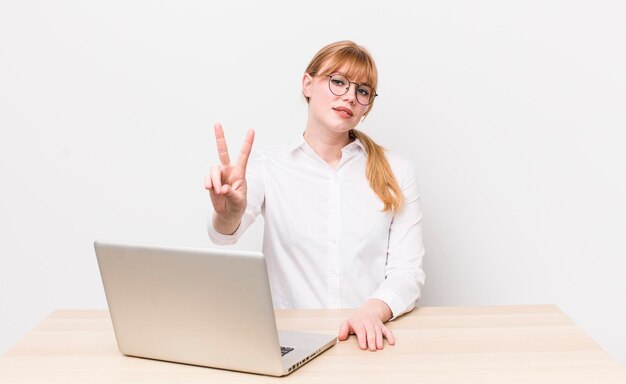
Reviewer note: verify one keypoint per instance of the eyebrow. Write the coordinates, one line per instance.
(346, 76)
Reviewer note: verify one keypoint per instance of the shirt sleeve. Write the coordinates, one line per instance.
(404, 276)
(256, 198)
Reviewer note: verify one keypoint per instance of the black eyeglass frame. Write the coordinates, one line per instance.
(330, 78)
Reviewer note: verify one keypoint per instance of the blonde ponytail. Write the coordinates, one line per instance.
(379, 173)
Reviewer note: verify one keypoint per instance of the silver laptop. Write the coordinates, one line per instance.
(198, 306)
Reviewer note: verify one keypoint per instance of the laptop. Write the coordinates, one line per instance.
(203, 307)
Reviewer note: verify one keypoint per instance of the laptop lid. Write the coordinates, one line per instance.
(195, 306)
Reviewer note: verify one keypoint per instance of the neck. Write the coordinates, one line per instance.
(326, 144)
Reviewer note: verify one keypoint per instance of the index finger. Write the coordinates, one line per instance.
(246, 148)
(222, 148)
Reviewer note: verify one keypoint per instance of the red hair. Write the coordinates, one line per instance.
(358, 64)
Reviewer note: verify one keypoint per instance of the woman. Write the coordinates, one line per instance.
(342, 215)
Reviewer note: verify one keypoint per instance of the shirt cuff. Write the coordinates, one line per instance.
(220, 238)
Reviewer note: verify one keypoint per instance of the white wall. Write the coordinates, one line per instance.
(512, 112)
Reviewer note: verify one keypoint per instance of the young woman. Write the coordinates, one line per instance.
(342, 215)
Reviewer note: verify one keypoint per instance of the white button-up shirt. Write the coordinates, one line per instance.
(326, 241)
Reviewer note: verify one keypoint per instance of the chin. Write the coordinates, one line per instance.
(341, 129)
(342, 126)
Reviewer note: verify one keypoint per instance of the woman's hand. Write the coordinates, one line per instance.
(368, 325)
(227, 183)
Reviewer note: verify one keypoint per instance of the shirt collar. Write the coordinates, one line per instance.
(299, 142)
(355, 145)
(296, 143)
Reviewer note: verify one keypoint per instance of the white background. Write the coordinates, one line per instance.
(512, 112)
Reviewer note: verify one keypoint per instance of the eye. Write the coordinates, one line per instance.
(338, 81)
(364, 91)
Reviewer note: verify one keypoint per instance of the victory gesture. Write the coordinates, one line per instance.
(227, 183)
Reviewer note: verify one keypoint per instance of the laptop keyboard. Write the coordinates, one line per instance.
(285, 350)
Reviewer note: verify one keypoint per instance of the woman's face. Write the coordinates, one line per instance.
(336, 113)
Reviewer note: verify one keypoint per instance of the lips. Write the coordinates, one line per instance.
(345, 110)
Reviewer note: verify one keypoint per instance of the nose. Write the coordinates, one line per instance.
(350, 96)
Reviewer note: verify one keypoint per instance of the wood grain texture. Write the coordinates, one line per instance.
(500, 344)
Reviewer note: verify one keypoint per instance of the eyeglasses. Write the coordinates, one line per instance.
(339, 85)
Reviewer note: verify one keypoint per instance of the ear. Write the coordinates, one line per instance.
(307, 84)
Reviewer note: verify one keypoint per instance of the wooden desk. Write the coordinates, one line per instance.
(504, 345)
